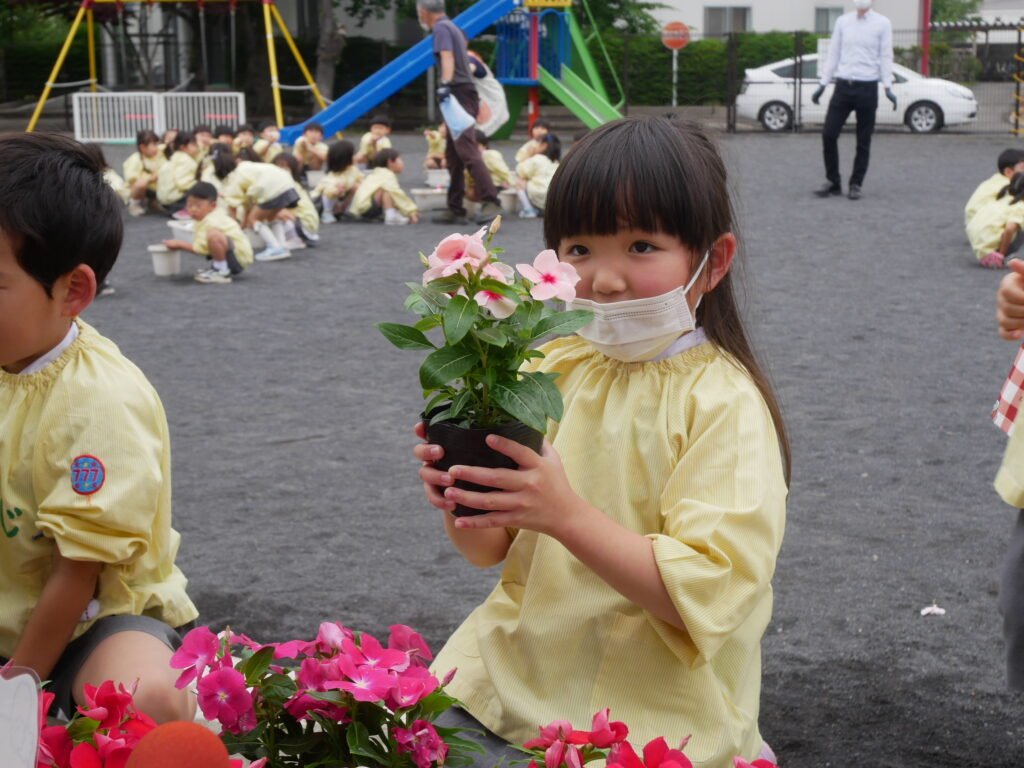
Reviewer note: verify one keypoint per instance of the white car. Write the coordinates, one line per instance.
(923, 104)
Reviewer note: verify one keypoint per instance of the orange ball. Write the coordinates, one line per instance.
(178, 744)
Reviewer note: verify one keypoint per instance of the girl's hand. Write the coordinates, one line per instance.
(535, 497)
(1010, 302)
(432, 478)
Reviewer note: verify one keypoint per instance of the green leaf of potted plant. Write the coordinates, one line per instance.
(487, 317)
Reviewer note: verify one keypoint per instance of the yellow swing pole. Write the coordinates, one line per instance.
(91, 27)
(85, 6)
(298, 57)
(275, 84)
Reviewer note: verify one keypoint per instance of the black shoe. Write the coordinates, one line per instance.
(829, 190)
(488, 212)
(854, 192)
(449, 217)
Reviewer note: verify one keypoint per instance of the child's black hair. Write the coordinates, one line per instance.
(96, 153)
(482, 138)
(245, 128)
(552, 147)
(224, 130)
(313, 127)
(289, 162)
(1015, 189)
(248, 153)
(56, 207)
(202, 128)
(1009, 158)
(264, 124)
(203, 190)
(146, 136)
(182, 138)
(340, 156)
(384, 156)
(222, 156)
(540, 122)
(380, 120)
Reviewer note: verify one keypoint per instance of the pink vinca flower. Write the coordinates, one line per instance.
(497, 304)
(403, 638)
(602, 733)
(85, 755)
(371, 653)
(54, 746)
(224, 697)
(198, 651)
(426, 746)
(331, 636)
(551, 278)
(453, 253)
(364, 683)
(413, 685)
(657, 754)
(109, 705)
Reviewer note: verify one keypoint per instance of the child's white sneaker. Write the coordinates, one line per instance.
(529, 213)
(212, 276)
(328, 218)
(135, 209)
(273, 254)
(393, 218)
(294, 243)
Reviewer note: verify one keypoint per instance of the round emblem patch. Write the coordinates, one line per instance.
(87, 475)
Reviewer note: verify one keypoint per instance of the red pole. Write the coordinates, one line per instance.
(926, 35)
(533, 109)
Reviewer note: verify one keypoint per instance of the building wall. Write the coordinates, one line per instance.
(786, 15)
(302, 21)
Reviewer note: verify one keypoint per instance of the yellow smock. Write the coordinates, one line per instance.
(985, 229)
(370, 145)
(537, 171)
(985, 193)
(305, 211)
(90, 402)
(267, 150)
(219, 219)
(499, 170)
(378, 179)
(305, 152)
(253, 183)
(1010, 478)
(436, 143)
(137, 164)
(117, 184)
(328, 185)
(176, 178)
(526, 151)
(683, 451)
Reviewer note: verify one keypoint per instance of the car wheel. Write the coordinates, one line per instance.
(776, 116)
(924, 117)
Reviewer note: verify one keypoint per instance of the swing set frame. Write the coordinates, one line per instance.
(271, 15)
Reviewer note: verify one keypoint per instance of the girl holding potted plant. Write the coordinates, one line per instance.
(640, 543)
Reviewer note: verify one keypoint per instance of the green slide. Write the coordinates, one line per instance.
(583, 101)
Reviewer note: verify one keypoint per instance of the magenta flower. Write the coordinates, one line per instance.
(364, 683)
(224, 697)
(551, 278)
(414, 685)
(403, 638)
(423, 742)
(302, 705)
(331, 636)
(107, 704)
(198, 652)
(371, 653)
(602, 733)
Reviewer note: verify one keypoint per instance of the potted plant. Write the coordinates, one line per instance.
(486, 319)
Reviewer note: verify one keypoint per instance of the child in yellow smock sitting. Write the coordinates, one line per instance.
(267, 147)
(179, 174)
(257, 194)
(381, 194)
(338, 186)
(302, 223)
(90, 587)
(540, 129)
(141, 170)
(1010, 161)
(374, 140)
(535, 174)
(639, 546)
(436, 143)
(311, 149)
(216, 235)
(995, 230)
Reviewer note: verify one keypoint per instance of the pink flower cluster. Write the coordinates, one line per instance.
(395, 676)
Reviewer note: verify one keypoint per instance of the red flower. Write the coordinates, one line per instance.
(656, 755)
(602, 733)
(739, 762)
(54, 746)
(107, 704)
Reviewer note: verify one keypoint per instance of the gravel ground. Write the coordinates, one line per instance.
(298, 500)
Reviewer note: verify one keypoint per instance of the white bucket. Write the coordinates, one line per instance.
(509, 201)
(313, 178)
(181, 230)
(430, 199)
(166, 261)
(438, 177)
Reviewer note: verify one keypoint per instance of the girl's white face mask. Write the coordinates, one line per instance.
(640, 329)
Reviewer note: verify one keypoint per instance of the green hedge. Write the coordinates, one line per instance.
(28, 64)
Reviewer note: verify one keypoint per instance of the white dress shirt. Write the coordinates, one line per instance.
(861, 49)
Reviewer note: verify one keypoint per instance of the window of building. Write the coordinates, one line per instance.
(719, 21)
(825, 19)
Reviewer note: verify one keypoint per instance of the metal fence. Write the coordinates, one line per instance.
(117, 117)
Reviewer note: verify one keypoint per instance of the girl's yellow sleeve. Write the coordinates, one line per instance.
(123, 430)
(723, 512)
(527, 169)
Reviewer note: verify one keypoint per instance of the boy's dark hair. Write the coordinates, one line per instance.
(96, 153)
(291, 163)
(245, 128)
(203, 190)
(146, 136)
(541, 122)
(313, 127)
(482, 138)
(224, 130)
(248, 153)
(380, 120)
(1015, 189)
(181, 139)
(202, 128)
(56, 207)
(1009, 158)
(222, 156)
(340, 155)
(264, 124)
(385, 156)
(552, 147)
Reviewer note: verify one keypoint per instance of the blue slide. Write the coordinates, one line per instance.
(398, 73)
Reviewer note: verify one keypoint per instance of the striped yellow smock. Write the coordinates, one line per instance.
(683, 451)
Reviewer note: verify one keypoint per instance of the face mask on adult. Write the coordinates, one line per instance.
(640, 329)
(862, 5)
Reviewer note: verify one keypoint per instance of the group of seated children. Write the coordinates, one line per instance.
(994, 214)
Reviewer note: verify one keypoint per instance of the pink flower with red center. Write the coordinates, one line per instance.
(224, 697)
(107, 705)
(198, 651)
(551, 278)
(456, 252)
(403, 638)
(498, 304)
(423, 741)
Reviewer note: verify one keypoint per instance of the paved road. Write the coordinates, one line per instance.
(298, 500)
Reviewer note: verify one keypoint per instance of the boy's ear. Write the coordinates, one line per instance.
(78, 290)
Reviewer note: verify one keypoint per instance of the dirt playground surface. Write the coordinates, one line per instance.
(297, 497)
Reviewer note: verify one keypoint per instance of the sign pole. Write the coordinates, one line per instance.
(675, 35)
(675, 77)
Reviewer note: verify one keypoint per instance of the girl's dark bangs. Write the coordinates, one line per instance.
(631, 174)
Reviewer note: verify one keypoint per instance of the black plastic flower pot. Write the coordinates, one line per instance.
(468, 447)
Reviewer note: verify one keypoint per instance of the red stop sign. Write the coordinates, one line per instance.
(675, 35)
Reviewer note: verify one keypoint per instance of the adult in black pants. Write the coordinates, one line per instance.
(456, 81)
(859, 57)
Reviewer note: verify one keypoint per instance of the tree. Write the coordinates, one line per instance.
(954, 10)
